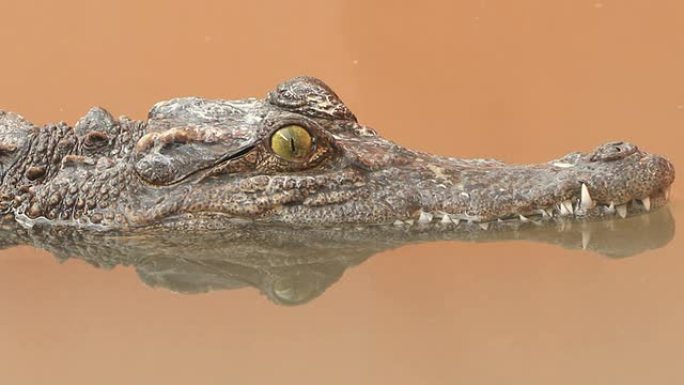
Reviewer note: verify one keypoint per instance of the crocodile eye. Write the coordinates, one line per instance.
(292, 142)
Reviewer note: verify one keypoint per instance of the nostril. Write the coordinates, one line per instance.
(613, 151)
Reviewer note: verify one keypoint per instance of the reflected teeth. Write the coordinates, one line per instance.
(523, 218)
(622, 210)
(647, 203)
(586, 238)
(586, 202)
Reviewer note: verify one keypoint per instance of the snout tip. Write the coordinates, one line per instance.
(662, 170)
(620, 172)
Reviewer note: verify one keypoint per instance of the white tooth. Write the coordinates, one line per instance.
(543, 213)
(566, 208)
(425, 218)
(647, 203)
(622, 210)
(667, 193)
(523, 218)
(611, 209)
(398, 223)
(409, 222)
(484, 226)
(586, 202)
(563, 165)
(549, 212)
(446, 219)
(586, 237)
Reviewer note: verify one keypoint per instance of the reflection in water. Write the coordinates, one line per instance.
(294, 266)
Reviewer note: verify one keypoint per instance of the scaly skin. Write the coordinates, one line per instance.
(208, 164)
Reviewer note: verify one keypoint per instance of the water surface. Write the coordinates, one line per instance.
(521, 81)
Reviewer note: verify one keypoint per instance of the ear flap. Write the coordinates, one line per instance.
(310, 96)
(186, 135)
(167, 157)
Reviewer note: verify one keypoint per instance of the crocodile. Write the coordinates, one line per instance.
(298, 157)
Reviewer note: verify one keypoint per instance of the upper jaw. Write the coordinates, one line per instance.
(444, 191)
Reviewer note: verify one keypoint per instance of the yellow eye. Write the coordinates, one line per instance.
(292, 142)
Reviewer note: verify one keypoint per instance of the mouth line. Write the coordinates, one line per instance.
(579, 206)
(205, 171)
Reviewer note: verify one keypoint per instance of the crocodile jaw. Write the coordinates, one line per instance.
(614, 180)
(435, 191)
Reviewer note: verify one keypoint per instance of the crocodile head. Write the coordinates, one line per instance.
(299, 156)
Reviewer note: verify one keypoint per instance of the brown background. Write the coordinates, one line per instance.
(522, 81)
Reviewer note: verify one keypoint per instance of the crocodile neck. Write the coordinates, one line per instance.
(37, 162)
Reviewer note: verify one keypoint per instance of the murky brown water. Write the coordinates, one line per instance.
(522, 81)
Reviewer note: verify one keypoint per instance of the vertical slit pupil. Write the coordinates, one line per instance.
(292, 144)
